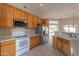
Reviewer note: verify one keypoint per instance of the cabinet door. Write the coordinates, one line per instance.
(59, 44)
(54, 41)
(34, 22)
(8, 48)
(37, 40)
(30, 21)
(6, 16)
(23, 16)
(2, 20)
(17, 14)
(46, 21)
(34, 41)
(66, 47)
(39, 20)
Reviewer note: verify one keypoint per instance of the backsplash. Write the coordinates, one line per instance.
(32, 31)
(4, 32)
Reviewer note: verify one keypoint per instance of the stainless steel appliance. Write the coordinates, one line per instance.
(43, 31)
(17, 23)
(22, 40)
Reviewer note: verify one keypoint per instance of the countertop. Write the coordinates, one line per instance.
(34, 34)
(6, 38)
(9, 37)
(66, 37)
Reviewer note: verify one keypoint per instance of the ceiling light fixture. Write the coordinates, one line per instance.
(41, 4)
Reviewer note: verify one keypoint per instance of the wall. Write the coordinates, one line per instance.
(67, 21)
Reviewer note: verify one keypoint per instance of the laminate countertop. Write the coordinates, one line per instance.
(6, 38)
(34, 34)
(9, 37)
(66, 37)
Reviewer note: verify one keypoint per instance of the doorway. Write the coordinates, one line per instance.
(53, 26)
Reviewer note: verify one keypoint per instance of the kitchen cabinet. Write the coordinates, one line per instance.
(59, 44)
(66, 47)
(17, 14)
(54, 42)
(6, 16)
(39, 21)
(8, 48)
(34, 41)
(30, 21)
(45, 21)
(24, 15)
(9, 13)
(34, 22)
(62, 45)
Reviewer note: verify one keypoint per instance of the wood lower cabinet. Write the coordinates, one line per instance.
(8, 48)
(34, 41)
(66, 47)
(59, 44)
(54, 42)
(62, 45)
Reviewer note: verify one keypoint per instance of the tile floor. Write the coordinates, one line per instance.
(43, 50)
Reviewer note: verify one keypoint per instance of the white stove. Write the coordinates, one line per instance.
(22, 40)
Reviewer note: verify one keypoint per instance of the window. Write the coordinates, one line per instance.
(69, 28)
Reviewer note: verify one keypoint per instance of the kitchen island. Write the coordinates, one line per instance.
(66, 42)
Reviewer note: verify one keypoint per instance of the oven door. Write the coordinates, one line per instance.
(22, 43)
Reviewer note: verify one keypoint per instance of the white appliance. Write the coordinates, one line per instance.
(22, 40)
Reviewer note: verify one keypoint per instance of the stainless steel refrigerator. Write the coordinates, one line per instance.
(43, 31)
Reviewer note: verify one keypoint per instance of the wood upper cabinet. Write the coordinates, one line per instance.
(24, 15)
(17, 14)
(30, 21)
(46, 21)
(34, 22)
(8, 48)
(9, 13)
(6, 16)
(34, 41)
(39, 21)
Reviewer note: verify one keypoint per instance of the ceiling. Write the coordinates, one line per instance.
(50, 10)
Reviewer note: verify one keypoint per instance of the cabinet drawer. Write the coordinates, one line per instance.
(9, 50)
(5, 43)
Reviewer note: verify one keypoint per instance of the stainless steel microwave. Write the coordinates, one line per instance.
(17, 23)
